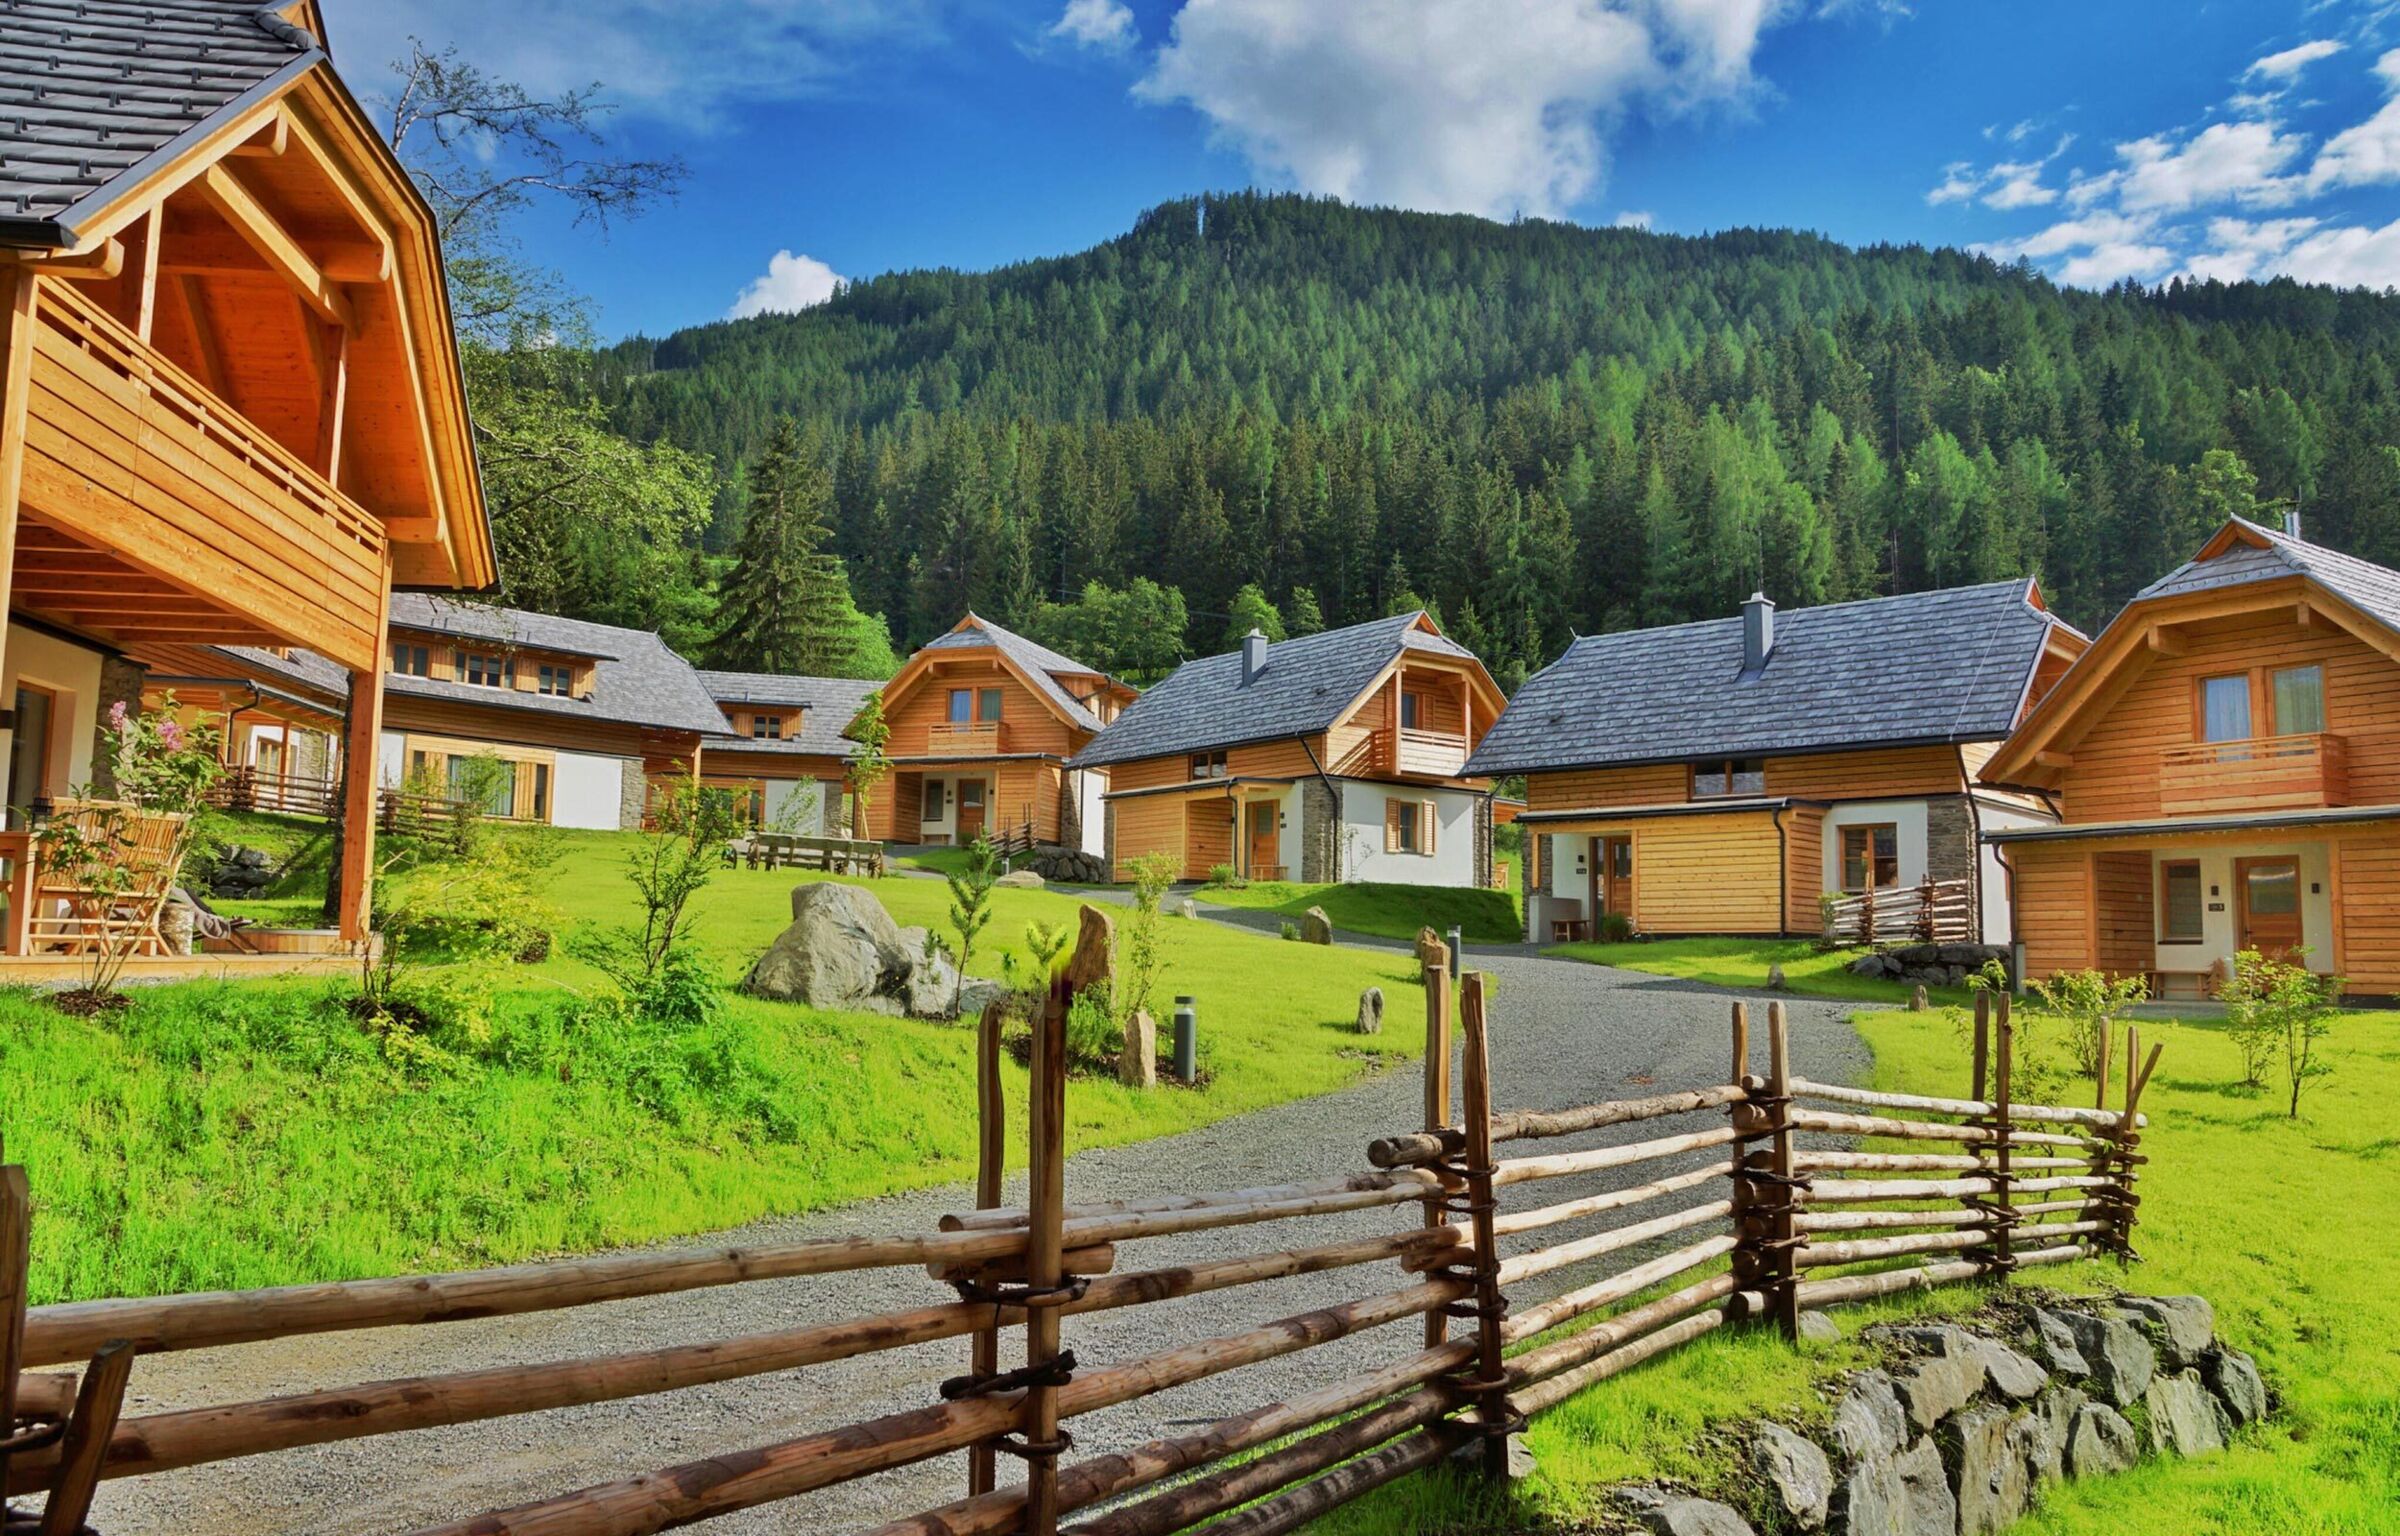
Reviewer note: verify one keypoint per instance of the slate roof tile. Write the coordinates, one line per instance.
(2373, 588)
(1044, 665)
(636, 679)
(832, 703)
(1948, 666)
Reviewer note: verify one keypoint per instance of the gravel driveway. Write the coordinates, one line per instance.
(1563, 1034)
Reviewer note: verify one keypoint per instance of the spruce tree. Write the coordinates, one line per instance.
(786, 603)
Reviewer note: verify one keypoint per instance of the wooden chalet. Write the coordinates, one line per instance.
(2226, 766)
(232, 411)
(787, 759)
(983, 723)
(1725, 777)
(1336, 756)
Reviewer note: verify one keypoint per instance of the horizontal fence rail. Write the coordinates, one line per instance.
(1518, 1282)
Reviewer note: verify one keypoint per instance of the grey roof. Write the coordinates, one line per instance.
(636, 679)
(1044, 665)
(303, 669)
(1306, 685)
(94, 92)
(832, 703)
(1926, 667)
(2373, 588)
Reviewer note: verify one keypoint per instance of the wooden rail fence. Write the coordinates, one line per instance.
(1784, 1212)
(1930, 912)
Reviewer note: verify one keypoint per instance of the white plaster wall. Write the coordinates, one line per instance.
(945, 825)
(1090, 785)
(587, 790)
(1997, 917)
(2219, 912)
(1570, 872)
(1908, 820)
(796, 803)
(391, 759)
(1452, 862)
(70, 671)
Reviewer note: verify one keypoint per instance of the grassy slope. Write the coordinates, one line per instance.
(2285, 1226)
(1387, 911)
(219, 1136)
(1744, 962)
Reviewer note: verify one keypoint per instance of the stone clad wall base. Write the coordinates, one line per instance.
(1950, 852)
(1320, 834)
(633, 797)
(120, 683)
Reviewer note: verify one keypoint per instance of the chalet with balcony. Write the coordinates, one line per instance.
(2226, 766)
(1725, 777)
(787, 760)
(232, 412)
(1335, 756)
(983, 725)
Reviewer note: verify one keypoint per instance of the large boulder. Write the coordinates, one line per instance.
(843, 951)
(1022, 880)
(2100, 1441)
(1933, 1388)
(1903, 1495)
(2117, 1352)
(2184, 1328)
(1370, 1011)
(1695, 1517)
(2234, 1377)
(1868, 1421)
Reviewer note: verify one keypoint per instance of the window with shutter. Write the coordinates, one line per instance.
(1425, 839)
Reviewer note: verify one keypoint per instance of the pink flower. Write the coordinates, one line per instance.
(170, 735)
(116, 716)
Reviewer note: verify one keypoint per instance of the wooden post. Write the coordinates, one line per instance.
(2100, 1089)
(97, 1403)
(1783, 1230)
(1490, 1391)
(1045, 1252)
(16, 1256)
(2129, 1136)
(362, 734)
(991, 1107)
(1983, 1047)
(19, 315)
(1435, 965)
(1741, 1042)
(1749, 1120)
(2003, 1222)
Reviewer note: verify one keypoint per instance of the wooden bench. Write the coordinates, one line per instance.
(786, 850)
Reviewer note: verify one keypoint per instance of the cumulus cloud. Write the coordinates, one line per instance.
(1474, 106)
(1102, 24)
(2090, 231)
(2009, 184)
(1635, 218)
(2105, 264)
(2239, 249)
(2368, 153)
(2239, 162)
(2350, 257)
(790, 283)
(2289, 63)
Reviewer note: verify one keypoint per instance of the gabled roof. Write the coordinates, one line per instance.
(97, 91)
(1307, 686)
(636, 679)
(1042, 668)
(2243, 552)
(831, 704)
(1919, 669)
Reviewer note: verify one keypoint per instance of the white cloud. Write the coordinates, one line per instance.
(1103, 24)
(2009, 184)
(2351, 257)
(2240, 248)
(1635, 218)
(1476, 106)
(789, 283)
(2238, 162)
(2018, 184)
(2105, 264)
(2092, 230)
(2289, 63)
(2368, 153)
(1960, 180)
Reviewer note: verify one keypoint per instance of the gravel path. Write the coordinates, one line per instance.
(1563, 1034)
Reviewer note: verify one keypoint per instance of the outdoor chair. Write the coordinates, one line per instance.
(74, 911)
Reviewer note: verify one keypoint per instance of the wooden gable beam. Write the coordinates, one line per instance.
(192, 300)
(274, 244)
(99, 262)
(2165, 641)
(269, 140)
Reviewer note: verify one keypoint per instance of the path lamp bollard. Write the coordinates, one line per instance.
(1187, 1041)
(1458, 950)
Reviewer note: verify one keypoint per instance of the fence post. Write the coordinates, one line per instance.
(2004, 1220)
(16, 1257)
(1783, 1230)
(1981, 1091)
(990, 1164)
(2129, 1136)
(84, 1447)
(1749, 1122)
(1045, 1257)
(1490, 1388)
(1435, 960)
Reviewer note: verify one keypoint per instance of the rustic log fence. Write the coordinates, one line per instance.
(1930, 912)
(1786, 1213)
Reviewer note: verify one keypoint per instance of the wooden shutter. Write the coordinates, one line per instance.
(1426, 823)
(1393, 810)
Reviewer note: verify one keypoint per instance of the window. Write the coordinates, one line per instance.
(987, 704)
(766, 727)
(1412, 711)
(555, 680)
(2225, 708)
(412, 660)
(1208, 765)
(2298, 694)
(1408, 826)
(486, 671)
(2179, 904)
(1730, 776)
(1871, 857)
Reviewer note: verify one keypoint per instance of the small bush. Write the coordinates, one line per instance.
(1615, 928)
(1094, 1039)
(2084, 1006)
(1226, 877)
(2277, 1010)
(1289, 931)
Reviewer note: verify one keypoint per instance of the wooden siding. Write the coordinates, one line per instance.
(2124, 924)
(2053, 893)
(1576, 789)
(1707, 874)
(1804, 868)
(1146, 824)
(2115, 774)
(1018, 789)
(1027, 721)
(736, 763)
(2366, 912)
(1883, 772)
(1287, 759)
(1208, 835)
(520, 727)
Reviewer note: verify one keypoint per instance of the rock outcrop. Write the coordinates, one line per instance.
(843, 951)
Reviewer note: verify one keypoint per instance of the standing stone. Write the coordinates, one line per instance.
(1316, 927)
(1916, 999)
(1695, 1517)
(1775, 978)
(2184, 1418)
(1187, 908)
(1370, 1011)
(1137, 1062)
(2183, 1327)
(1798, 1478)
(1817, 1328)
(1988, 1471)
(2100, 1442)
(2119, 1354)
(2234, 1377)
(1868, 1422)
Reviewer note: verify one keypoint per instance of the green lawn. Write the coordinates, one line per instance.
(1743, 963)
(1386, 911)
(2285, 1226)
(241, 1135)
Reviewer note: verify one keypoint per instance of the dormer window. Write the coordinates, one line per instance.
(559, 681)
(486, 671)
(412, 660)
(766, 727)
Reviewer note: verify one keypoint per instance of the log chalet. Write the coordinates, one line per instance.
(1727, 776)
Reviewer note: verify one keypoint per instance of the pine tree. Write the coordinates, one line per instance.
(1250, 610)
(786, 604)
(1301, 616)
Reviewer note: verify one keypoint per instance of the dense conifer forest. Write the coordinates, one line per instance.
(1535, 429)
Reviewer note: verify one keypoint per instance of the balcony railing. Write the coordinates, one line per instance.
(987, 738)
(2255, 773)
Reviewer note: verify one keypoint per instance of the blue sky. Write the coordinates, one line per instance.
(841, 138)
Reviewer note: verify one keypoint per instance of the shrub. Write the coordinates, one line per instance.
(1094, 1037)
(2276, 1011)
(1615, 928)
(1290, 931)
(1226, 876)
(2085, 1005)
(1139, 951)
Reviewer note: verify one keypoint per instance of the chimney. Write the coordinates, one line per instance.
(1758, 633)
(1254, 657)
(2291, 522)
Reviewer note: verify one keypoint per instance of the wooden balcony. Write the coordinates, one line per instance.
(2258, 773)
(153, 511)
(1428, 754)
(987, 738)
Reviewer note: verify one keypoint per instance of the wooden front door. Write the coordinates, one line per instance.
(1263, 817)
(1612, 878)
(2268, 892)
(970, 809)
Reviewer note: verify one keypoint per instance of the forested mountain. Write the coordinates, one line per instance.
(1535, 428)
